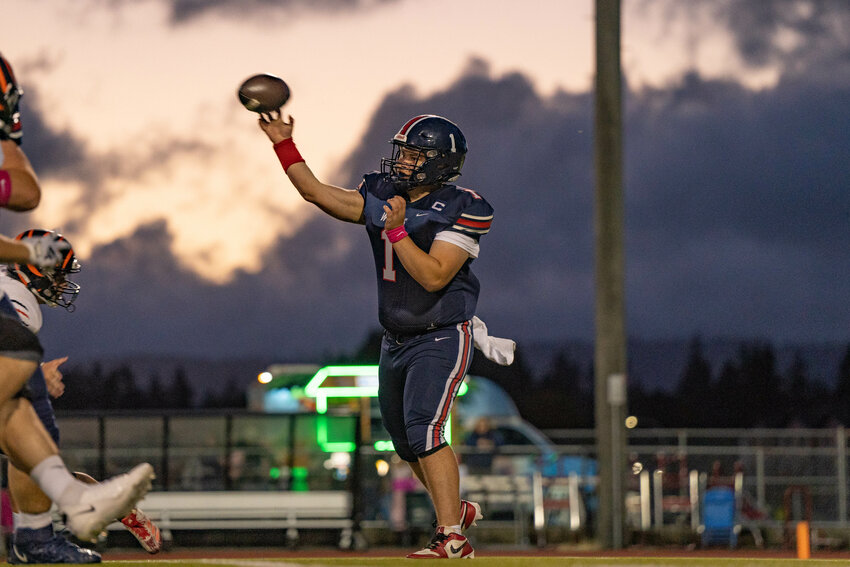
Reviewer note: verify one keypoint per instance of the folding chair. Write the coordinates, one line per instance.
(720, 522)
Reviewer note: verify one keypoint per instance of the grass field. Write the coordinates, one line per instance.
(489, 560)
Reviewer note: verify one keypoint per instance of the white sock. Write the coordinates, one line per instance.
(53, 477)
(32, 521)
(455, 529)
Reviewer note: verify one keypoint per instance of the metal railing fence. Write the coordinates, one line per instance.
(215, 450)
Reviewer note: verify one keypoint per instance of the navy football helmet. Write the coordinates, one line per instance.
(439, 141)
(51, 286)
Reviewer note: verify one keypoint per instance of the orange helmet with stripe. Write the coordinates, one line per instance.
(50, 286)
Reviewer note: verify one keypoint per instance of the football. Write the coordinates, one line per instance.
(263, 93)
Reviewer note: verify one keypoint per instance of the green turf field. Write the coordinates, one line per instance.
(494, 561)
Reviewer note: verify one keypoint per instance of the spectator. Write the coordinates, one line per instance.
(482, 442)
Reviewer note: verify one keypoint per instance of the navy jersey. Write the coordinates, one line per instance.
(458, 215)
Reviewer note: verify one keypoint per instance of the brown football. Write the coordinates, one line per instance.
(263, 93)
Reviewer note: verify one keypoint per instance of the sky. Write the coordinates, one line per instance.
(193, 242)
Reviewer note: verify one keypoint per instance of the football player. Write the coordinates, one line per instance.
(34, 540)
(23, 438)
(425, 233)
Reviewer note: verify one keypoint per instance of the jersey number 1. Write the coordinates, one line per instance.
(389, 272)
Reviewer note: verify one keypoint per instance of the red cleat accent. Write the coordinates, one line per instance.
(470, 512)
(144, 530)
(451, 545)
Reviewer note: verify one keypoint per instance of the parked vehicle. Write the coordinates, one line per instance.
(523, 448)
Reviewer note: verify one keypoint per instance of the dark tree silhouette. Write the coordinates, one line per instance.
(157, 396)
(231, 396)
(180, 393)
(797, 403)
(747, 391)
(841, 399)
(120, 390)
(560, 399)
(694, 390)
(515, 379)
(761, 386)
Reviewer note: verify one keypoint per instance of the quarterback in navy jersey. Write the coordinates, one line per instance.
(425, 233)
(451, 214)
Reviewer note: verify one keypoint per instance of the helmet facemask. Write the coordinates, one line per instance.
(52, 287)
(411, 171)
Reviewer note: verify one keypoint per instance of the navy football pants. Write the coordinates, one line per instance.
(418, 380)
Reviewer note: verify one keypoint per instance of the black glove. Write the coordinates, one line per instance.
(10, 96)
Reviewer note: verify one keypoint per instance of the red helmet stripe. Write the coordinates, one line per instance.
(402, 134)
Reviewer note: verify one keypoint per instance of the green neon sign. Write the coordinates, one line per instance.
(347, 382)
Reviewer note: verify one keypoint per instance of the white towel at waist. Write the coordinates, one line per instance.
(500, 351)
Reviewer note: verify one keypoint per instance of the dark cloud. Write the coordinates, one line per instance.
(56, 153)
(804, 37)
(736, 205)
(186, 10)
(737, 216)
(761, 29)
(137, 298)
(61, 155)
(737, 209)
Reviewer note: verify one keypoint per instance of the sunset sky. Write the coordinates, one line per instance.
(193, 241)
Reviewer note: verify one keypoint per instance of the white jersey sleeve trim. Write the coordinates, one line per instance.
(460, 240)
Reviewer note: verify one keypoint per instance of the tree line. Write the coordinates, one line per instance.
(747, 390)
(91, 387)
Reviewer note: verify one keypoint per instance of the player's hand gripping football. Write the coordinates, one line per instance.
(273, 124)
(395, 209)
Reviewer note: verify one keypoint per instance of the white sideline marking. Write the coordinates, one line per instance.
(243, 563)
(266, 563)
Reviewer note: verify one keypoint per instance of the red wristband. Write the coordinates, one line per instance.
(5, 187)
(287, 153)
(396, 234)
